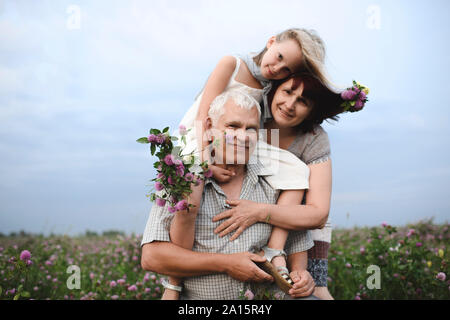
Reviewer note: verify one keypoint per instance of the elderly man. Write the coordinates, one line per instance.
(217, 268)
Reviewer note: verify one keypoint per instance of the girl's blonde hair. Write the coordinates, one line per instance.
(312, 47)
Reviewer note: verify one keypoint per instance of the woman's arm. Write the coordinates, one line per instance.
(312, 215)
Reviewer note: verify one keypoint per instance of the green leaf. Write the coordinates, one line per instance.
(173, 138)
(154, 131)
(166, 129)
(153, 149)
(17, 296)
(25, 294)
(143, 140)
(1, 290)
(20, 288)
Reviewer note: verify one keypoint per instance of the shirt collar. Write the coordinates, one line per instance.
(254, 170)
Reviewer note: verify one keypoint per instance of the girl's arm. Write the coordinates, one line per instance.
(312, 215)
(182, 228)
(216, 84)
(279, 235)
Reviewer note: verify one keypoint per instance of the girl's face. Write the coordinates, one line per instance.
(281, 59)
(289, 108)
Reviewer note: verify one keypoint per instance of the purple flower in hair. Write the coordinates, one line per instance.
(359, 104)
(362, 96)
(170, 181)
(348, 95)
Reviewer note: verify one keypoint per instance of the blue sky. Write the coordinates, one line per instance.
(76, 93)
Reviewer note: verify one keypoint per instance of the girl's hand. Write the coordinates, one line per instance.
(221, 175)
(244, 214)
(303, 284)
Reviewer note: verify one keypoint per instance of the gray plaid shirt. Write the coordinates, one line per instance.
(222, 286)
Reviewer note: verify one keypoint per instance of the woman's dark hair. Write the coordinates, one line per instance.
(325, 103)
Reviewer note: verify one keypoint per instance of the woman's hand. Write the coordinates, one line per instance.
(244, 214)
(303, 284)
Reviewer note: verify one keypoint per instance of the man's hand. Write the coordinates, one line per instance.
(303, 284)
(243, 215)
(241, 266)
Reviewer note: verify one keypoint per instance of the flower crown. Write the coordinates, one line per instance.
(355, 97)
(174, 179)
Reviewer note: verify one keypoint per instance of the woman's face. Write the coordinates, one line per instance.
(289, 107)
(281, 59)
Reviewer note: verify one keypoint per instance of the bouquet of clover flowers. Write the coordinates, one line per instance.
(175, 174)
(355, 97)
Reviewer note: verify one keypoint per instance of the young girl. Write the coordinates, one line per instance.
(289, 52)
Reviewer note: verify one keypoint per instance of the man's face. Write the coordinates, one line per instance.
(235, 134)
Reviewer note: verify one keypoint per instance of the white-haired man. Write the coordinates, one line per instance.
(217, 268)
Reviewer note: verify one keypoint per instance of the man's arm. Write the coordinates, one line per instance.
(169, 259)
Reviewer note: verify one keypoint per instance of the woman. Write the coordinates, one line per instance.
(298, 106)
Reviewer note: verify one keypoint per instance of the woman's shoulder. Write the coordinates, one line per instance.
(312, 146)
(318, 133)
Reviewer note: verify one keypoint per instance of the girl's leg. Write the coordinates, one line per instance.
(277, 241)
(182, 231)
(279, 236)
